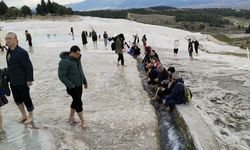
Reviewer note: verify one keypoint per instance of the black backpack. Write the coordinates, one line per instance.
(113, 46)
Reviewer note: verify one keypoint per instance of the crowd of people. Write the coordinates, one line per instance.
(166, 82)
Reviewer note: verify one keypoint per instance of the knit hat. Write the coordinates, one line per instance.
(175, 75)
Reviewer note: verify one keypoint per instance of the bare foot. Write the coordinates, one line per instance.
(28, 120)
(22, 119)
(85, 125)
(33, 125)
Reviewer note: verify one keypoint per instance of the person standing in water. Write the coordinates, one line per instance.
(84, 39)
(28, 38)
(94, 39)
(71, 74)
(72, 33)
(20, 75)
(105, 38)
(196, 46)
(136, 39)
(144, 40)
(190, 49)
(176, 47)
(119, 45)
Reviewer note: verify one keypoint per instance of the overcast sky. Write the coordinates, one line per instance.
(33, 3)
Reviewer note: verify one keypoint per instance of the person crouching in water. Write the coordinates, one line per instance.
(71, 74)
(119, 45)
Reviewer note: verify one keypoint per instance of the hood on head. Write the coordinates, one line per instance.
(64, 55)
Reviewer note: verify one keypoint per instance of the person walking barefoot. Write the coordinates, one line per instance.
(71, 74)
(20, 74)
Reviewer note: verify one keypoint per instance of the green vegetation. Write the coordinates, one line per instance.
(215, 17)
(44, 8)
(13, 12)
(222, 37)
(52, 8)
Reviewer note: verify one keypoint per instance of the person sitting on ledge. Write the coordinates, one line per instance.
(177, 93)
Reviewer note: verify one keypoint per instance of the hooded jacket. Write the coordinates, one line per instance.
(177, 92)
(70, 71)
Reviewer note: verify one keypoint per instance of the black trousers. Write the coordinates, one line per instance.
(21, 94)
(30, 43)
(196, 50)
(76, 94)
(121, 58)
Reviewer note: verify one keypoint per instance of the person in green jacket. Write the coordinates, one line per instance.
(71, 74)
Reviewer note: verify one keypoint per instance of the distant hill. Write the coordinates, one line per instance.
(123, 4)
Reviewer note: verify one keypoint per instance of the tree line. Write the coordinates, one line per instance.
(52, 8)
(43, 8)
(212, 16)
(13, 12)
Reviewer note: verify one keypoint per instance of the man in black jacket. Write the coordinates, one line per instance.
(28, 38)
(20, 74)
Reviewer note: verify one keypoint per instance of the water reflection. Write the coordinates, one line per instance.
(17, 136)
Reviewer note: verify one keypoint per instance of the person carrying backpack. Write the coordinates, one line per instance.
(119, 45)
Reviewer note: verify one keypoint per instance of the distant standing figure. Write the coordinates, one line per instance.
(105, 38)
(176, 47)
(84, 39)
(190, 49)
(72, 32)
(136, 39)
(144, 40)
(196, 46)
(28, 38)
(94, 38)
(119, 45)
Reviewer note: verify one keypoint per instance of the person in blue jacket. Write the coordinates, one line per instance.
(20, 76)
(177, 93)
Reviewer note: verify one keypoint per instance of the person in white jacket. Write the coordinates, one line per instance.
(176, 47)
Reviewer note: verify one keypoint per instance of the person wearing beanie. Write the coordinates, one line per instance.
(177, 93)
(71, 74)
